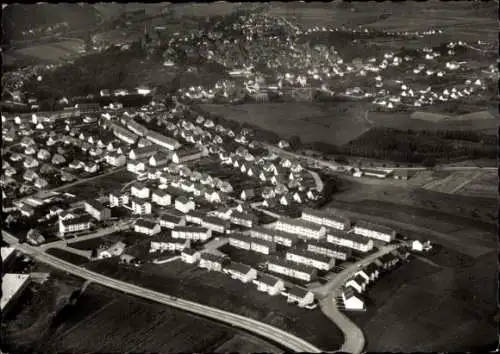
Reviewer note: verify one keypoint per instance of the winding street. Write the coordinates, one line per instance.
(354, 340)
(272, 333)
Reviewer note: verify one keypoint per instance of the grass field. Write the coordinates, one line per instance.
(218, 290)
(453, 182)
(105, 184)
(335, 123)
(67, 256)
(51, 52)
(440, 302)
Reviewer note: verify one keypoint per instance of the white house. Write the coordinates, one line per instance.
(161, 197)
(171, 221)
(135, 166)
(262, 246)
(116, 199)
(140, 191)
(374, 231)
(140, 206)
(351, 299)
(182, 156)
(269, 284)
(81, 223)
(214, 262)
(300, 296)
(291, 269)
(146, 227)
(240, 271)
(215, 224)
(319, 261)
(358, 283)
(183, 204)
(302, 228)
(351, 240)
(240, 241)
(190, 256)
(193, 233)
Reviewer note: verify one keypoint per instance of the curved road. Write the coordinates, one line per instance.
(354, 340)
(279, 336)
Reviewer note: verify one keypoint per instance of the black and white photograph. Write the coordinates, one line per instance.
(250, 177)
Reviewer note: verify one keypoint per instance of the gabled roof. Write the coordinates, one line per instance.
(196, 229)
(170, 218)
(214, 258)
(298, 292)
(374, 227)
(95, 204)
(240, 237)
(267, 279)
(146, 223)
(78, 220)
(310, 255)
(239, 268)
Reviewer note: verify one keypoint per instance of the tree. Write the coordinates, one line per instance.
(295, 142)
(429, 162)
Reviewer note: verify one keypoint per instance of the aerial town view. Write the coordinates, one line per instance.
(250, 177)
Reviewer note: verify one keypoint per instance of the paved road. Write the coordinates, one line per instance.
(279, 336)
(354, 340)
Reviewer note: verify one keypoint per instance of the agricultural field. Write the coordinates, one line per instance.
(484, 185)
(51, 324)
(218, 290)
(417, 306)
(50, 52)
(453, 182)
(334, 123)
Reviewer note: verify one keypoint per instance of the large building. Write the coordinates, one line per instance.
(329, 249)
(326, 219)
(185, 155)
(242, 219)
(215, 224)
(240, 241)
(118, 199)
(162, 242)
(80, 223)
(193, 233)
(263, 246)
(291, 269)
(163, 141)
(377, 232)
(350, 240)
(284, 238)
(161, 197)
(124, 134)
(142, 153)
(140, 206)
(97, 210)
(309, 258)
(262, 233)
(301, 228)
(171, 221)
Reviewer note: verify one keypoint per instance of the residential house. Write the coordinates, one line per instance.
(302, 228)
(140, 206)
(115, 250)
(117, 199)
(243, 219)
(247, 194)
(240, 241)
(41, 183)
(115, 159)
(312, 259)
(158, 159)
(136, 166)
(284, 238)
(183, 204)
(162, 242)
(215, 224)
(291, 269)
(242, 272)
(91, 168)
(262, 233)
(190, 256)
(30, 162)
(185, 155)
(30, 175)
(195, 217)
(161, 197)
(374, 231)
(357, 282)
(223, 213)
(142, 153)
(269, 284)
(76, 165)
(30, 150)
(70, 225)
(146, 227)
(97, 210)
(171, 221)
(193, 233)
(300, 296)
(350, 240)
(214, 262)
(43, 154)
(139, 190)
(212, 196)
(351, 299)
(262, 246)
(163, 141)
(329, 249)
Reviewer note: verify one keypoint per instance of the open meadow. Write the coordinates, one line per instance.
(443, 301)
(53, 53)
(334, 123)
(218, 290)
